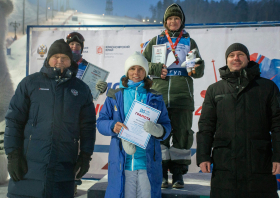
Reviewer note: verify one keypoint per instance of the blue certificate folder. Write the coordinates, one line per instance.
(126, 120)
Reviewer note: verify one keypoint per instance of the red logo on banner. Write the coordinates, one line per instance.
(99, 50)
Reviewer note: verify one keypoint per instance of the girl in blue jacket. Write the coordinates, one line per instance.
(133, 171)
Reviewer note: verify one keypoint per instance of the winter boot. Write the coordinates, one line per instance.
(177, 180)
(164, 183)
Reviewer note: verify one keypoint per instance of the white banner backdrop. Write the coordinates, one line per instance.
(109, 49)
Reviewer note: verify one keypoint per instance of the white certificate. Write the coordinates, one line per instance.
(138, 114)
(91, 76)
(159, 53)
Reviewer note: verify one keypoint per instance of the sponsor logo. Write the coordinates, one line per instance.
(74, 92)
(114, 50)
(144, 111)
(42, 50)
(99, 50)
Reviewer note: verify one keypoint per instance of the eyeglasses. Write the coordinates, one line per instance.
(75, 35)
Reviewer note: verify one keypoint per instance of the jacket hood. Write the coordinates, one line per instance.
(183, 16)
(51, 72)
(249, 72)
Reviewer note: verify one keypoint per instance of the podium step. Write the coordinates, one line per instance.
(197, 185)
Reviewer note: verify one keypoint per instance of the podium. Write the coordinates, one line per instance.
(197, 185)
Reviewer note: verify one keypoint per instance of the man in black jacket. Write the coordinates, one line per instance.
(240, 120)
(50, 113)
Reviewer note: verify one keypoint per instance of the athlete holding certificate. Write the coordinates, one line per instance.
(175, 83)
(133, 171)
(76, 43)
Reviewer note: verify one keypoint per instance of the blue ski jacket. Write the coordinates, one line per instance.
(113, 112)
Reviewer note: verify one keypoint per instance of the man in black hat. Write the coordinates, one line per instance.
(49, 115)
(239, 130)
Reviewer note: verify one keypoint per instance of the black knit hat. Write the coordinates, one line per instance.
(59, 47)
(237, 47)
(174, 10)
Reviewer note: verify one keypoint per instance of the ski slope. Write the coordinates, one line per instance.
(17, 60)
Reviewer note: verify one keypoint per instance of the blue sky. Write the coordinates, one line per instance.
(129, 8)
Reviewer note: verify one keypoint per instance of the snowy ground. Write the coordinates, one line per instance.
(17, 59)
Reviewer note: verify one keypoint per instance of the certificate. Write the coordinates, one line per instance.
(138, 114)
(91, 76)
(159, 53)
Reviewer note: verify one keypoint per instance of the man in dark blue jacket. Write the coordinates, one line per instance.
(49, 114)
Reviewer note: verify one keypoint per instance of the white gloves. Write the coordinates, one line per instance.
(150, 127)
(154, 129)
(128, 147)
(190, 57)
(101, 86)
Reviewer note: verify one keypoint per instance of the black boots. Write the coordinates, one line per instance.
(177, 174)
(177, 180)
(164, 183)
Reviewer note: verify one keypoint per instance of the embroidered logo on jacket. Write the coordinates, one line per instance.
(116, 108)
(74, 92)
(44, 89)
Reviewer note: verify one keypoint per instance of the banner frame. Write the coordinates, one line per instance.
(189, 26)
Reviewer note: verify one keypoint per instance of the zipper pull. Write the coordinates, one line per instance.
(59, 79)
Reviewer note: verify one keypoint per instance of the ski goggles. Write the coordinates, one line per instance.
(75, 35)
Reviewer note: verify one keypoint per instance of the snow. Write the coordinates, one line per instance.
(30, 14)
(17, 60)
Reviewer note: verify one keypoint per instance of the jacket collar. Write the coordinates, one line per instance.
(250, 72)
(55, 73)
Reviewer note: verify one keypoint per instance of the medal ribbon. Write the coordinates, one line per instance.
(173, 46)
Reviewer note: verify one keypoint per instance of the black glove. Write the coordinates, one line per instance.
(17, 165)
(82, 164)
